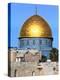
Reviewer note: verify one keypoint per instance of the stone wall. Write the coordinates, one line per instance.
(33, 69)
(30, 66)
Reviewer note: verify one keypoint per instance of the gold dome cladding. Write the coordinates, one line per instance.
(35, 26)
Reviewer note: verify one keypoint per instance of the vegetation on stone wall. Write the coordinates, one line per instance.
(54, 54)
(43, 59)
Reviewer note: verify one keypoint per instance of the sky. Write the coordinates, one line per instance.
(19, 13)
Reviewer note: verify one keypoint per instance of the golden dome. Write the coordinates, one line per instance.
(35, 26)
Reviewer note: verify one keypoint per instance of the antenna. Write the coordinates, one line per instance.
(36, 9)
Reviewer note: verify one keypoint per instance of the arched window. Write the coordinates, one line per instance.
(40, 42)
(33, 42)
(49, 42)
(27, 42)
(21, 43)
(46, 41)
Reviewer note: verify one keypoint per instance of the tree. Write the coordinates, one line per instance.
(43, 59)
(54, 55)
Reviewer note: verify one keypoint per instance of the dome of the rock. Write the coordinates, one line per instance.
(35, 26)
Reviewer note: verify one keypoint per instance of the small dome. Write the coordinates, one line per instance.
(35, 26)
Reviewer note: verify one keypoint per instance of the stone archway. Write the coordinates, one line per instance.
(15, 72)
(33, 73)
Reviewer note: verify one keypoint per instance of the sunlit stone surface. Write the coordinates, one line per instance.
(26, 63)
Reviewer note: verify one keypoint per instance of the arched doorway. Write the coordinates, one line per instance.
(33, 73)
(15, 72)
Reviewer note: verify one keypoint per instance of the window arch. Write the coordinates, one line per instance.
(21, 43)
(46, 41)
(40, 41)
(33, 42)
(27, 42)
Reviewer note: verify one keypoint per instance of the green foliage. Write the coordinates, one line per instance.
(54, 54)
(44, 59)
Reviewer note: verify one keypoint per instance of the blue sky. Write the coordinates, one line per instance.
(21, 12)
